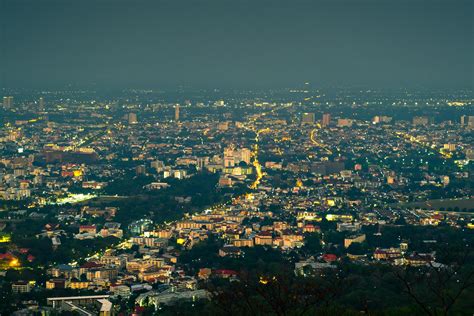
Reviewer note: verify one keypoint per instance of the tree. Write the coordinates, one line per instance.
(312, 243)
(279, 294)
(437, 289)
(356, 248)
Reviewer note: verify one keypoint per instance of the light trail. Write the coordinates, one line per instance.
(256, 163)
(414, 140)
(314, 141)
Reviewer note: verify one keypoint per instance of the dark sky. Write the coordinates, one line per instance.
(238, 43)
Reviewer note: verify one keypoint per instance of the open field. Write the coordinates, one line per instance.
(461, 204)
(104, 199)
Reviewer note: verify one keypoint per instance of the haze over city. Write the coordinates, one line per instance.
(215, 157)
(237, 44)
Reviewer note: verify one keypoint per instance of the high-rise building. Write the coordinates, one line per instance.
(157, 165)
(469, 153)
(41, 103)
(420, 120)
(139, 170)
(7, 102)
(233, 156)
(381, 119)
(470, 121)
(308, 118)
(449, 147)
(246, 155)
(176, 113)
(132, 118)
(463, 120)
(326, 119)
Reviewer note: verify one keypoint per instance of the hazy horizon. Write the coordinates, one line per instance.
(247, 44)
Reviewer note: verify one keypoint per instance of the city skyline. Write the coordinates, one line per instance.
(246, 157)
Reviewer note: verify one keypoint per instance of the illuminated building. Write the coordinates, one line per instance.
(390, 180)
(41, 103)
(140, 170)
(140, 226)
(132, 118)
(56, 284)
(233, 156)
(245, 155)
(381, 119)
(176, 113)
(7, 102)
(91, 229)
(449, 147)
(354, 239)
(470, 121)
(326, 119)
(344, 122)
(223, 126)
(308, 118)
(21, 287)
(420, 120)
(225, 182)
(264, 238)
(243, 242)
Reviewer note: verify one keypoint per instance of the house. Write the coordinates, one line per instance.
(224, 273)
(353, 239)
(90, 229)
(56, 284)
(204, 273)
(243, 242)
(310, 228)
(387, 254)
(304, 266)
(329, 257)
(264, 238)
(230, 251)
(21, 287)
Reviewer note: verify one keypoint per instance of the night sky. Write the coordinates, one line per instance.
(236, 44)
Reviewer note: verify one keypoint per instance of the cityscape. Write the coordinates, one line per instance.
(288, 199)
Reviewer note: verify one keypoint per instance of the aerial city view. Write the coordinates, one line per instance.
(236, 157)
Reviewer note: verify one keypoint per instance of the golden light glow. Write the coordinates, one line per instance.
(256, 163)
(5, 238)
(266, 280)
(14, 263)
(457, 103)
(299, 183)
(77, 173)
(312, 136)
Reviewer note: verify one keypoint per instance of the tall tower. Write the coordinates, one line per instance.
(132, 118)
(176, 113)
(41, 104)
(326, 119)
(7, 102)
